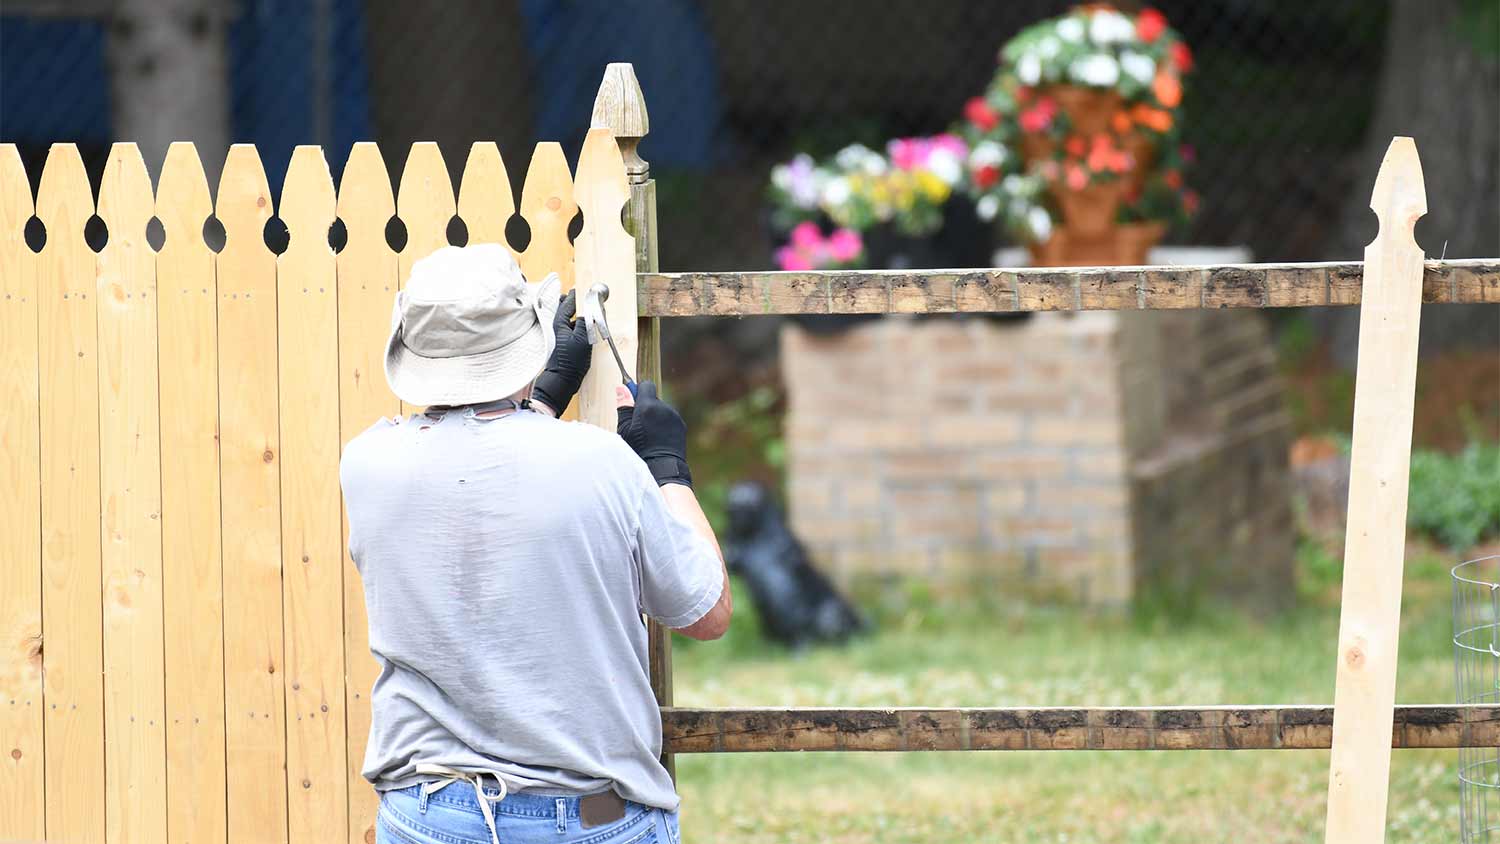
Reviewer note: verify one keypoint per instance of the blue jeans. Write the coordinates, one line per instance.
(451, 816)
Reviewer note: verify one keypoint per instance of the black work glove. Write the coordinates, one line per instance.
(657, 433)
(560, 381)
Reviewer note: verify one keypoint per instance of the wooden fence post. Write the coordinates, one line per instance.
(621, 107)
(1375, 539)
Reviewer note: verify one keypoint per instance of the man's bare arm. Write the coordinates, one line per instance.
(684, 505)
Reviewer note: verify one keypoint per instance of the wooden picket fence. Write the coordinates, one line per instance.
(183, 651)
(170, 445)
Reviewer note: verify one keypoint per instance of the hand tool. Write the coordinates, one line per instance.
(592, 311)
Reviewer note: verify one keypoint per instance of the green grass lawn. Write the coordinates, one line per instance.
(991, 652)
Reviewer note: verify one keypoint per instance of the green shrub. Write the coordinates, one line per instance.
(1456, 497)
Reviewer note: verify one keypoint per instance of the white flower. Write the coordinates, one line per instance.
(987, 207)
(836, 192)
(1137, 66)
(946, 166)
(1013, 185)
(852, 157)
(1049, 47)
(987, 154)
(1029, 69)
(1070, 29)
(1108, 27)
(1096, 69)
(1040, 223)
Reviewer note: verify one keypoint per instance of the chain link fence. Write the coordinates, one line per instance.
(1279, 101)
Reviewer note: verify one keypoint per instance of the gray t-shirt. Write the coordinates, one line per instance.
(506, 562)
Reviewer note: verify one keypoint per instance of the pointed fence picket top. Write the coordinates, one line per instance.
(367, 285)
(130, 483)
(548, 206)
(1375, 537)
(605, 252)
(312, 553)
(22, 806)
(250, 449)
(425, 203)
(485, 203)
(192, 576)
(71, 615)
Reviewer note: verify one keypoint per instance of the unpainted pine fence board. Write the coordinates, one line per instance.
(130, 530)
(192, 575)
(1467, 281)
(1375, 537)
(605, 252)
(22, 804)
(311, 558)
(367, 284)
(73, 661)
(425, 204)
(1252, 727)
(548, 207)
(485, 203)
(249, 452)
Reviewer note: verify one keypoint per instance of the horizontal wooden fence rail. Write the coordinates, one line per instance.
(1470, 281)
(1058, 728)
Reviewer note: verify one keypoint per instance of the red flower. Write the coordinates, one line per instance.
(1075, 146)
(986, 176)
(1190, 201)
(1075, 177)
(1182, 57)
(979, 113)
(1173, 179)
(1150, 24)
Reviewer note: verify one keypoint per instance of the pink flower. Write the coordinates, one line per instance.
(907, 153)
(951, 143)
(806, 237)
(791, 259)
(844, 245)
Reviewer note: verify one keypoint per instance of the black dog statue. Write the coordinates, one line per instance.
(797, 605)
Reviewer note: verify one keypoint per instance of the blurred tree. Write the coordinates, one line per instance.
(1440, 85)
(169, 78)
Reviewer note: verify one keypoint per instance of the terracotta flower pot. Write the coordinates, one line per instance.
(1037, 147)
(1088, 109)
(1089, 212)
(1133, 241)
(1142, 149)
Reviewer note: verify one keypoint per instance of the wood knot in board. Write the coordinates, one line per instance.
(268, 456)
(1354, 655)
(370, 835)
(260, 202)
(553, 203)
(15, 753)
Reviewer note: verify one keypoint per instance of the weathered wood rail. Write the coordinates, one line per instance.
(746, 730)
(1473, 281)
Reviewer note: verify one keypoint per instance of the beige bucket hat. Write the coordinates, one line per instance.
(468, 328)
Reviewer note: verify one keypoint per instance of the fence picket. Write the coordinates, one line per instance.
(307, 312)
(425, 204)
(485, 203)
(366, 287)
(605, 252)
(192, 577)
(548, 206)
(130, 531)
(73, 668)
(249, 450)
(22, 803)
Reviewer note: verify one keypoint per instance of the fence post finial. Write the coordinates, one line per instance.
(621, 107)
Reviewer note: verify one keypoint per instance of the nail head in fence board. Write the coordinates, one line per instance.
(754, 729)
(249, 451)
(605, 253)
(485, 203)
(1370, 611)
(22, 808)
(135, 771)
(367, 283)
(311, 550)
(71, 615)
(192, 577)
